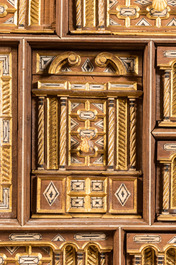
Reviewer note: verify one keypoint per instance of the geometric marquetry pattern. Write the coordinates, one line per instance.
(5, 133)
(87, 133)
(86, 195)
(135, 17)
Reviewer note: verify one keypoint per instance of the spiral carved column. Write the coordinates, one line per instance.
(166, 181)
(40, 132)
(78, 14)
(132, 134)
(111, 135)
(101, 14)
(22, 13)
(166, 96)
(63, 128)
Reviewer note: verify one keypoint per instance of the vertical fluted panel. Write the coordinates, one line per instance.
(35, 12)
(111, 131)
(166, 100)
(89, 15)
(52, 137)
(101, 13)
(6, 96)
(22, 12)
(174, 92)
(78, 14)
(132, 134)
(122, 134)
(170, 257)
(41, 132)
(166, 180)
(63, 129)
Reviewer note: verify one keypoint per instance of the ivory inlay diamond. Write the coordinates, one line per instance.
(51, 193)
(122, 194)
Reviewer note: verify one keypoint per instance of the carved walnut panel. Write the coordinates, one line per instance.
(8, 131)
(124, 17)
(56, 248)
(22, 16)
(165, 133)
(86, 132)
(151, 248)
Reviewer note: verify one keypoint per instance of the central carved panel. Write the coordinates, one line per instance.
(86, 134)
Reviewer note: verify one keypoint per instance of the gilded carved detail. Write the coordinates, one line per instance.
(35, 7)
(122, 134)
(111, 133)
(135, 17)
(89, 101)
(132, 133)
(6, 134)
(41, 132)
(52, 138)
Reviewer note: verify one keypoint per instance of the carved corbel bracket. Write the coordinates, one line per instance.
(71, 58)
(105, 58)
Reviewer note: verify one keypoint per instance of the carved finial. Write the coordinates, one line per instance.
(159, 5)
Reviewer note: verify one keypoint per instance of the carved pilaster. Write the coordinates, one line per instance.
(52, 133)
(40, 132)
(78, 14)
(22, 13)
(111, 132)
(89, 15)
(101, 14)
(121, 134)
(166, 95)
(132, 134)
(166, 181)
(63, 122)
(35, 12)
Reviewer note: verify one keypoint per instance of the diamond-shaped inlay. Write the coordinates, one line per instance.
(51, 193)
(171, 2)
(122, 194)
(87, 66)
(143, 2)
